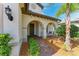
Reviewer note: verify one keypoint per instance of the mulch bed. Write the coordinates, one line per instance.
(24, 49)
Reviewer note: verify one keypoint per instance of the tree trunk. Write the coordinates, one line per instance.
(67, 39)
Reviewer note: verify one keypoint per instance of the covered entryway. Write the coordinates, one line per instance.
(35, 28)
(50, 29)
(36, 25)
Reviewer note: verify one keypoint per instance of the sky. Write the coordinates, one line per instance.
(51, 11)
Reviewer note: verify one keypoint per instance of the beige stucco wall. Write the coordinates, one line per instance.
(1, 21)
(13, 27)
(29, 18)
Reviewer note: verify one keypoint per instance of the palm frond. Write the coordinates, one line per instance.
(62, 10)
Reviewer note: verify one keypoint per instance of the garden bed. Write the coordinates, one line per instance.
(34, 49)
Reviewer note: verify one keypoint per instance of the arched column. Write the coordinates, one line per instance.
(25, 34)
(40, 30)
(44, 32)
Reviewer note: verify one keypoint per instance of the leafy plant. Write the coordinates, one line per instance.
(74, 30)
(4, 39)
(5, 48)
(77, 34)
(61, 30)
(34, 48)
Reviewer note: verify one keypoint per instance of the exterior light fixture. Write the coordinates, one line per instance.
(8, 12)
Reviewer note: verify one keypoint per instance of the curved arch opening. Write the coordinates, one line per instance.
(35, 28)
(50, 29)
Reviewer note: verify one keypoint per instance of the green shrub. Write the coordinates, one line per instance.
(5, 48)
(73, 30)
(4, 39)
(61, 30)
(34, 48)
(77, 34)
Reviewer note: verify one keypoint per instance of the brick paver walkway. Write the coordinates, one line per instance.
(45, 48)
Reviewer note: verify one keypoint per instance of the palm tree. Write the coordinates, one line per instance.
(68, 8)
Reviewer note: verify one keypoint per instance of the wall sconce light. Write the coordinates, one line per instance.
(8, 12)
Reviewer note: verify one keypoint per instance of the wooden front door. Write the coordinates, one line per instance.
(31, 29)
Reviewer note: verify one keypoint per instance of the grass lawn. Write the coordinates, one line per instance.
(60, 51)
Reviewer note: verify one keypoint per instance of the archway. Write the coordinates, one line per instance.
(50, 29)
(35, 28)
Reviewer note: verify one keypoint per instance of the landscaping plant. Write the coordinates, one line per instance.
(34, 49)
(5, 48)
(74, 31)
